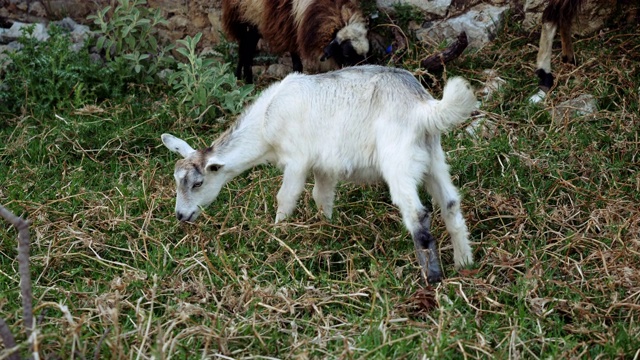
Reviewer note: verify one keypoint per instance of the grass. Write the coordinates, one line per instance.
(552, 206)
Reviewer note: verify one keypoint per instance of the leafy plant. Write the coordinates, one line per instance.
(128, 39)
(406, 13)
(206, 86)
(46, 75)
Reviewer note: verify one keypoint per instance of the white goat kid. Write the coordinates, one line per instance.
(364, 123)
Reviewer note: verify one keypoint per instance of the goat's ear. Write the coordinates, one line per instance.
(214, 165)
(177, 145)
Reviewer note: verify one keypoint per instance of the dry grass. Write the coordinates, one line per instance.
(552, 206)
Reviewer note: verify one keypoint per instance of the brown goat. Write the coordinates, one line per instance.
(314, 30)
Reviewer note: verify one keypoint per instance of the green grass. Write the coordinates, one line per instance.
(551, 204)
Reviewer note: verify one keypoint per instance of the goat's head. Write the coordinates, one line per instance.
(199, 177)
(350, 44)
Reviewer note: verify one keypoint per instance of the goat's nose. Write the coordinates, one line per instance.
(179, 215)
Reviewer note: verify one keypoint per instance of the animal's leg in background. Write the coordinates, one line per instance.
(324, 192)
(543, 64)
(417, 220)
(440, 187)
(246, 51)
(292, 185)
(297, 63)
(567, 45)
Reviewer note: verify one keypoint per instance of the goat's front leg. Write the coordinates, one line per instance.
(297, 62)
(246, 52)
(324, 192)
(292, 185)
(543, 63)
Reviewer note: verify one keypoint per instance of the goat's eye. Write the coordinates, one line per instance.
(214, 167)
(197, 185)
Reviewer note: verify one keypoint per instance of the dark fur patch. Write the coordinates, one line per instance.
(569, 59)
(546, 80)
(451, 204)
(561, 11)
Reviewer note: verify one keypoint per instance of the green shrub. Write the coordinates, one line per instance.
(206, 87)
(47, 75)
(129, 42)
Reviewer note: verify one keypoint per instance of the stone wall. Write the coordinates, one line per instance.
(186, 17)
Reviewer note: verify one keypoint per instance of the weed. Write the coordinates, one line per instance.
(206, 86)
(50, 75)
(128, 39)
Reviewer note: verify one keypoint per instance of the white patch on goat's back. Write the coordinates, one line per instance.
(299, 8)
(356, 31)
(252, 10)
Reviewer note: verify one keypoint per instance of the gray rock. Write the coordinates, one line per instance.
(15, 31)
(480, 22)
(36, 8)
(278, 70)
(78, 33)
(580, 106)
(436, 7)
(492, 84)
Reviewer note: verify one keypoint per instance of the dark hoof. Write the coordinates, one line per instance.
(567, 60)
(434, 277)
(545, 82)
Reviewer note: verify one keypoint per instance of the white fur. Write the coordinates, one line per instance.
(543, 60)
(365, 123)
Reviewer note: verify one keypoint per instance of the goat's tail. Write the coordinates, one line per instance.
(457, 104)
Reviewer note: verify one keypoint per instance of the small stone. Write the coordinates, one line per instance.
(582, 105)
(37, 9)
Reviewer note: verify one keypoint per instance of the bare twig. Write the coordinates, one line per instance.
(23, 267)
(435, 63)
(8, 340)
(96, 352)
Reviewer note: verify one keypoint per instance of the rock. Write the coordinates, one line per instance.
(22, 5)
(78, 33)
(215, 16)
(278, 70)
(178, 22)
(582, 105)
(436, 7)
(480, 23)
(15, 31)
(591, 17)
(4, 58)
(37, 9)
(481, 127)
(200, 21)
(492, 84)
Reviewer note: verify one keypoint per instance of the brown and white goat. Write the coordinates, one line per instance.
(311, 30)
(560, 14)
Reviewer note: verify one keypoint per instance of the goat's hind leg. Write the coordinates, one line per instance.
(417, 220)
(568, 56)
(446, 195)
